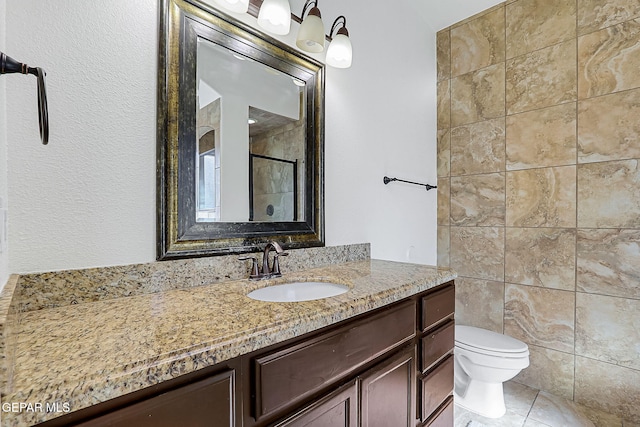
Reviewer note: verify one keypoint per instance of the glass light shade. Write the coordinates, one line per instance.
(275, 16)
(339, 52)
(239, 6)
(311, 33)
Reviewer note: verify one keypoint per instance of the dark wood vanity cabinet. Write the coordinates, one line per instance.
(391, 367)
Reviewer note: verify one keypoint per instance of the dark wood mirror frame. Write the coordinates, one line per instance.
(178, 233)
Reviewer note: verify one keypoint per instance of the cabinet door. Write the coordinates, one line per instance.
(388, 392)
(338, 409)
(209, 402)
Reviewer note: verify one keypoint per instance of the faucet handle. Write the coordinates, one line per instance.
(254, 268)
(276, 265)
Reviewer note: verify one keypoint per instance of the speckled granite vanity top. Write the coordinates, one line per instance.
(89, 352)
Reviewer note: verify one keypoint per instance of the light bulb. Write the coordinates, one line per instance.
(311, 33)
(340, 52)
(275, 16)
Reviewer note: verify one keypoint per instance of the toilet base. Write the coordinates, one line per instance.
(486, 399)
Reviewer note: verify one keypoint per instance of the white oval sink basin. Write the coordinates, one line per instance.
(298, 291)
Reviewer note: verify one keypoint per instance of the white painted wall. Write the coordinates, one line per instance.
(233, 152)
(4, 254)
(381, 120)
(88, 199)
(440, 14)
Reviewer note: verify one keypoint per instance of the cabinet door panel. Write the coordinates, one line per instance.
(339, 409)
(209, 402)
(436, 387)
(286, 377)
(388, 392)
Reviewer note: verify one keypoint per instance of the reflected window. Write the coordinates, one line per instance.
(207, 179)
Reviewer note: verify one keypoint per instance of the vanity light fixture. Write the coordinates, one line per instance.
(340, 52)
(311, 32)
(238, 6)
(275, 16)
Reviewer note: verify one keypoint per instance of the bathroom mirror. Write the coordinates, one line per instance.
(240, 137)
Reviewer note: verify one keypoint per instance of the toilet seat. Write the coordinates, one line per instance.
(482, 341)
(498, 354)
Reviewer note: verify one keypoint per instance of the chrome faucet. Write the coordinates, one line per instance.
(275, 271)
(266, 272)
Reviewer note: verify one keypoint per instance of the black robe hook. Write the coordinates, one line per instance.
(9, 65)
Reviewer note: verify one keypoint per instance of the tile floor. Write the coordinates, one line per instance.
(528, 407)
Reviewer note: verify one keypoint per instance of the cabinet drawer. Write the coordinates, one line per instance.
(436, 344)
(443, 417)
(436, 387)
(288, 376)
(438, 306)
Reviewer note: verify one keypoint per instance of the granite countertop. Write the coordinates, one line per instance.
(86, 353)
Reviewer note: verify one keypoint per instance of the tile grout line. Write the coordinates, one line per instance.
(531, 407)
(575, 259)
(450, 77)
(504, 226)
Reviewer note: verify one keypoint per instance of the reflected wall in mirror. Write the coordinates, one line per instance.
(240, 137)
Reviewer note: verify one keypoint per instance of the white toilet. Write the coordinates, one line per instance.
(483, 360)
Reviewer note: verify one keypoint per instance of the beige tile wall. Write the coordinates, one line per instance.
(539, 188)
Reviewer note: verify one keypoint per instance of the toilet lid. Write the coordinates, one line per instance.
(488, 340)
